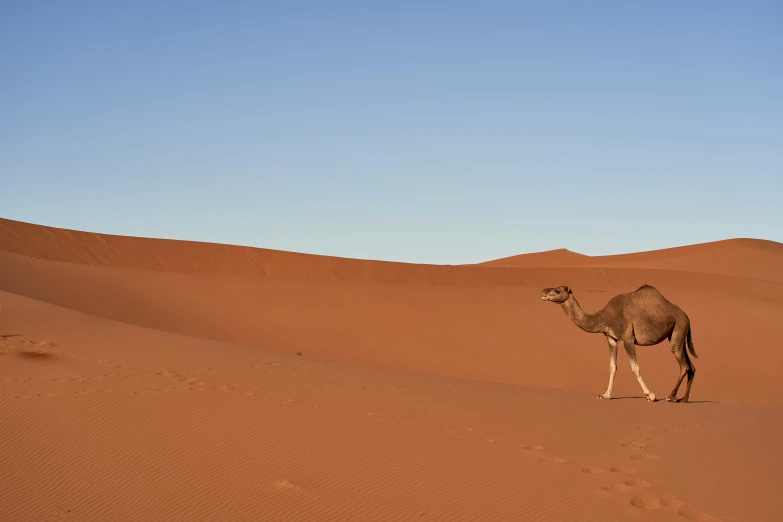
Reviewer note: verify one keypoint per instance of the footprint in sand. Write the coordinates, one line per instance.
(637, 483)
(671, 502)
(532, 447)
(403, 423)
(287, 400)
(697, 516)
(635, 444)
(616, 488)
(623, 469)
(286, 484)
(552, 460)
(590, 470)
(644, 456)
(644, 501)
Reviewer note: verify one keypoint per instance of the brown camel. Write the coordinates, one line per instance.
(642, 317)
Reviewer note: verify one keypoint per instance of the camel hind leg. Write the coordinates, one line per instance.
(686, 366)
(691, 375)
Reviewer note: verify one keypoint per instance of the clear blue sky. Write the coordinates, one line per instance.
(449, 132)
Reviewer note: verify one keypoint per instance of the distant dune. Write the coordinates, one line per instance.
(752, 258)
(150, 379)
(559, 257)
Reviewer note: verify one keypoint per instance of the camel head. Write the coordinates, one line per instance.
(559, 294)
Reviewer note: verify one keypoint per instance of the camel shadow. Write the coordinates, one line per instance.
(662, 400)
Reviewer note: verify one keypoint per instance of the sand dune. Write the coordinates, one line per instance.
(145, 379)
(751, 258)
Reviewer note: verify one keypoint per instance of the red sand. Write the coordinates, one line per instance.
(145, 379)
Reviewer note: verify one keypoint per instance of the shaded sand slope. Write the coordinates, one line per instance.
(108, 421)
(752, 258)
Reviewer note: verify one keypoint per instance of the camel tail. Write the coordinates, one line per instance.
(690, 343)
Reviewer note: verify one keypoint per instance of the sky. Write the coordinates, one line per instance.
(428, 132)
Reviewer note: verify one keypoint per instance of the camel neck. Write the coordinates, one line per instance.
(588, 322)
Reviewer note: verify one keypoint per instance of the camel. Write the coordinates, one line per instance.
(642, 317)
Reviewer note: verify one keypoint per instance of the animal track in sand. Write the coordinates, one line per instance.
(697, 516)
(459, 432)
(616, 488)
(644, 456)
(623, 469)
(287, 484)
(637, 483)
(532, 447)
(589, 470)
(671, 502)
(644, 501)
(287, 400)
(552, 460)
(19, 379)
(635, 444)
(35, 343)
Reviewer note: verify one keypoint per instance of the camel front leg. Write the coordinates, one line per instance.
(630, 349)
(612, 368)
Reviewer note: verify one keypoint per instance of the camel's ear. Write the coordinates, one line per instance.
(567, 289)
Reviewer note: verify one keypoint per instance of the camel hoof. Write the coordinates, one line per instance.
(671, 398)
(651, 397)
(605, 397)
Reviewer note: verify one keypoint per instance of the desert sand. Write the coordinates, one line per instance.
(148, 379)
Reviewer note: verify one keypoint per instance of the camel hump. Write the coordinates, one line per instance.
(646, 287)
